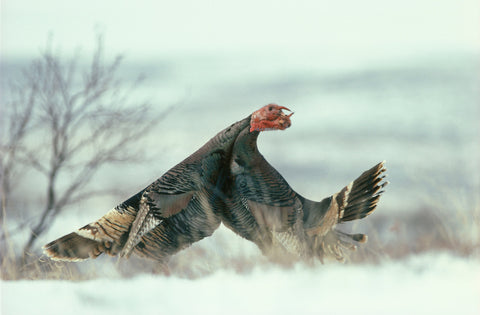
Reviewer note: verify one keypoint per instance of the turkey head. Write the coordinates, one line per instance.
(270, 117)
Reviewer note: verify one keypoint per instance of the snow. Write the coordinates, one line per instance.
(435, 283)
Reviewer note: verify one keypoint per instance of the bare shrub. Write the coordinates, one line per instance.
(66, 120)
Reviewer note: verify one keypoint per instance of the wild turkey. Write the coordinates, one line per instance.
(225, 180)
(263, 208)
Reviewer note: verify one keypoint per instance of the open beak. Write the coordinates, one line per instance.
(284, 120)
(288, 116)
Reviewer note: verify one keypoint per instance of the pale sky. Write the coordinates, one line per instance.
(146, 29)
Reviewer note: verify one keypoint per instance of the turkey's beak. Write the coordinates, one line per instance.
(283, 107)
(283, 122)
(282, 114)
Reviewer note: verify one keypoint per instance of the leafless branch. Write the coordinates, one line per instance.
(67, 122)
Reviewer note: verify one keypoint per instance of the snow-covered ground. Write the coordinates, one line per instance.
(428, 284)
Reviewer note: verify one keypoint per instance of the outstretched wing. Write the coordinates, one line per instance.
(173, 212)
(122, 228)
(177, 200)
(197, 220)
(108, 234)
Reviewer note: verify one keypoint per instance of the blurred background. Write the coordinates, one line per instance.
(368, 81)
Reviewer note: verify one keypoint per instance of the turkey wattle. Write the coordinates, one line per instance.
(226, 180)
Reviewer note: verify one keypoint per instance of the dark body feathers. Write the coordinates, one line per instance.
(227, 180)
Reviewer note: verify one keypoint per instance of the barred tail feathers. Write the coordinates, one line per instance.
(358, 199)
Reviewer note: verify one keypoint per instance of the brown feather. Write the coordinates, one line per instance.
(104, 235)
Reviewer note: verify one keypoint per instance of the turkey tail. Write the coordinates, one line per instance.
(106, 235)
(355, 201)
(360, 197)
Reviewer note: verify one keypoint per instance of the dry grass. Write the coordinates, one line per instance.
(391, 237)
(399, 236)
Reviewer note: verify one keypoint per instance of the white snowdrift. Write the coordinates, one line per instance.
(433, 284)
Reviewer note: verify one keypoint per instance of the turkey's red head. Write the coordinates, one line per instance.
(270, 117)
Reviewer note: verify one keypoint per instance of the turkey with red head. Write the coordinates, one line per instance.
(226, 179)
(263, 208)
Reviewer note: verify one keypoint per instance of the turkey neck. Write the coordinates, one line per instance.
(245, 147)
